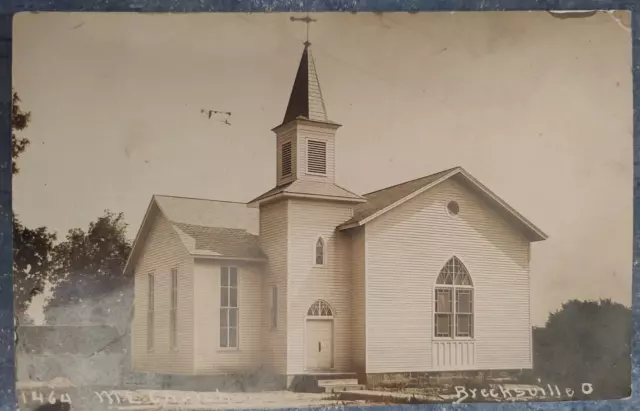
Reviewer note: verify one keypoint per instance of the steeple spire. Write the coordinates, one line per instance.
(306, 97)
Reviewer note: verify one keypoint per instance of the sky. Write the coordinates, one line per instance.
(537, 108)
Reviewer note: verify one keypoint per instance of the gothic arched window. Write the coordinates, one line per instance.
(320, 252)
(454, 301)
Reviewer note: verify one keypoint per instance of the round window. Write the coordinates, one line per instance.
(453, 208)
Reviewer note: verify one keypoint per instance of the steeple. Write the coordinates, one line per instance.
(305, 142)
(306, 97)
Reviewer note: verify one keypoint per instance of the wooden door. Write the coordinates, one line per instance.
(319, 344)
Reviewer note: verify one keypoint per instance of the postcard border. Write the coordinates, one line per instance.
(8, 400)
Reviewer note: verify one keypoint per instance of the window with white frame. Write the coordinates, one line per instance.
(274, 307)
(229, 307)
(150, 310)
(320, 308)
(454, 301)
(285, 164)
(317, 157)
(173, 311)
(320, 252)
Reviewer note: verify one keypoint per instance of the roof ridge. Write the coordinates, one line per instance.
(209, 226)
(237, 230)
(412, 180)
(197, 198)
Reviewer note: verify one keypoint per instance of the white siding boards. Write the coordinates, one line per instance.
(308, 282)
(274, 237)
(173, 317)
(273, 309)
(229, 317)
(151, 307)
(164, 254)
(358, 302)
(406, 250)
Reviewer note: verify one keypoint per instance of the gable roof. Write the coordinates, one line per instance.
(309, 189)
(381, 201)
(223, 242)
(206, 228)
(209, 213)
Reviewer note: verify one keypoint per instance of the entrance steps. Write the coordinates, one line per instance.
(326, 382)
(337, 385)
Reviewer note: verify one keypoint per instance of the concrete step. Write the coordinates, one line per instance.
(344, 381)
(339, 388)
(332, 375)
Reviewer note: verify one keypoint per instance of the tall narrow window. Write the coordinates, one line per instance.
(454, 301)
(274, 307)
(150, 311)
(320, 252)
(317, 157)
(444, 313)
(286, 159)
(173, 312)
(229, 307)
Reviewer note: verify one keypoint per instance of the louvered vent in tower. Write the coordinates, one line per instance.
(317, 157)
(286, 159)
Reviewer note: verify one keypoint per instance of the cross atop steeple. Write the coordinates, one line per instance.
(308, 20)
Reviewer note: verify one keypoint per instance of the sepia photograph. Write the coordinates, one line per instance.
(299, 210)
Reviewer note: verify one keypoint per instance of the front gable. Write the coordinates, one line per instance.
(450, 209)
(157, 235)
(200, 228)
(407, 247)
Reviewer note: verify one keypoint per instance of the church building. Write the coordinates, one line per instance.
(310, 278)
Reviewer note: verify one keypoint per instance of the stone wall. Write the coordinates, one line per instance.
(415, 380)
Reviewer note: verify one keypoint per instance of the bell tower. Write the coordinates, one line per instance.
(307, 256)
(306, 138)
(305, 141)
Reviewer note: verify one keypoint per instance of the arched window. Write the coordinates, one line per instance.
(320, 309)
(320, 254)
(454, 301)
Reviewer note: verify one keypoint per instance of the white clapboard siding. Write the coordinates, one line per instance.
(307, 283)
(164, 251)
(273, 241)
(358, 331)
(318, 133)
(209, 357)
(287, 134)
(406, 249)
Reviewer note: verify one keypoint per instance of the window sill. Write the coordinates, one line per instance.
(453, 339)
(228, 349)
